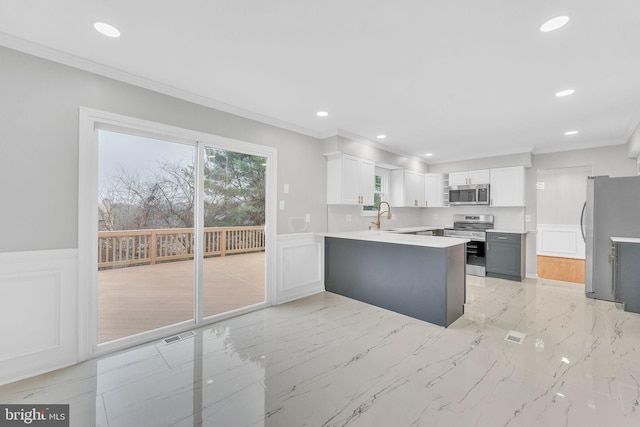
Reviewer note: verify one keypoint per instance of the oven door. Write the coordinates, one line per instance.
(476, 258)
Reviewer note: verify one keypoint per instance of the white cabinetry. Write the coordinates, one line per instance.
(482, 176)
(350, 180)
(407, 188)
(434, 190)
(508, 186)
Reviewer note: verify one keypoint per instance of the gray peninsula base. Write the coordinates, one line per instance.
(426, 283)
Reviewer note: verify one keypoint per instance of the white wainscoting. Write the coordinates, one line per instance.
(560, 241)
(300, 271)
(38, 312)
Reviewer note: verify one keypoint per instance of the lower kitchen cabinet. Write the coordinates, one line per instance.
(505, 255)
(626, 278)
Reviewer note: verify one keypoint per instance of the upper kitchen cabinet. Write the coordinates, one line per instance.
(407, 188)
(482, 176)
(350, 180)
(435, 192)
(507, 186)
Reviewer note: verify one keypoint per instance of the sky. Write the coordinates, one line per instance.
(138, 154)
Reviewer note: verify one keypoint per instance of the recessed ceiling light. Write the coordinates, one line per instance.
(565, 92)
(554, 23)
(322, 114)
(429, 154)
(571, 132)
(381, 136)
(106, 29)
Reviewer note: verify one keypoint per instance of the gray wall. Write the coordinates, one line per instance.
(39, 105)
(383, 158)
(562, 195)
(610, 160)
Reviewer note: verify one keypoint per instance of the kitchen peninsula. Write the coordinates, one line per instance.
(419, 276)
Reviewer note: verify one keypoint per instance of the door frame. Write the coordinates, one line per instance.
(90, 122)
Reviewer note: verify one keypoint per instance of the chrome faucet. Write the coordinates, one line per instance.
(388, 212)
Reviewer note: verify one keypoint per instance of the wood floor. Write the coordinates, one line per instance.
(565, 269)
(137, 299)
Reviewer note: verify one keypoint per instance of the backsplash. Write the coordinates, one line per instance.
(504, 218)
(349, 218)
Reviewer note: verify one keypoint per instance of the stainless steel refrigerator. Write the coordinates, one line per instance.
(612, 209)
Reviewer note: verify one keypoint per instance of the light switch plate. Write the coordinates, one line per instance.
(286, 189)
(307, 218)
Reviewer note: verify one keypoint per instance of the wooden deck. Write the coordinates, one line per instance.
(137, 299)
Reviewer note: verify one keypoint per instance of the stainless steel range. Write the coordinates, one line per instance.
(472, 227)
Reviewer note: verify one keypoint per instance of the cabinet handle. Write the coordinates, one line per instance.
(502, 238)
(612, 261)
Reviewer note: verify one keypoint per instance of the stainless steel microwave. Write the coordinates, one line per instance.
(475, 194)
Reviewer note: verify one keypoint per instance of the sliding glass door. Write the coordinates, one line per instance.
(162, 261)
(233, 235)
(146, 200)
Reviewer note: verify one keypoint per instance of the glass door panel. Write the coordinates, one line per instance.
(146, 201)
(234, 239)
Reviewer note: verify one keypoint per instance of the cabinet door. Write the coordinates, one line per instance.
(350, 180)
(482, 176)
(367, 181)
(415, 194)
(458, 178)
(503, 258)
(627, 278)
(507, 186)
(433, 189)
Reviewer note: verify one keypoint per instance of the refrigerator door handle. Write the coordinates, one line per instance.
(584, 209)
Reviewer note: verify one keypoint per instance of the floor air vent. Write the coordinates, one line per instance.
(180, 337)
(516, 337)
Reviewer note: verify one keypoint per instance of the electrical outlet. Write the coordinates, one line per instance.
(348, 218)
(307, 218)
(435, 216)
(527, 218)
(281, 205)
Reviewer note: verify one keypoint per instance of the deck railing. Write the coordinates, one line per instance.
(135, 247)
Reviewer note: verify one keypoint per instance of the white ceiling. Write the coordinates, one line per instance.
(459, 79)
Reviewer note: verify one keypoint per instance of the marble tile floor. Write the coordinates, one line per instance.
(327, 360)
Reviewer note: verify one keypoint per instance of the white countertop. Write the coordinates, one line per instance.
(382, 236)
(625, 239)
(506, 230)
(412, 229)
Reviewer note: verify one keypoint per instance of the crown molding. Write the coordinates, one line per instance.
(70, 60)
(379, 146)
